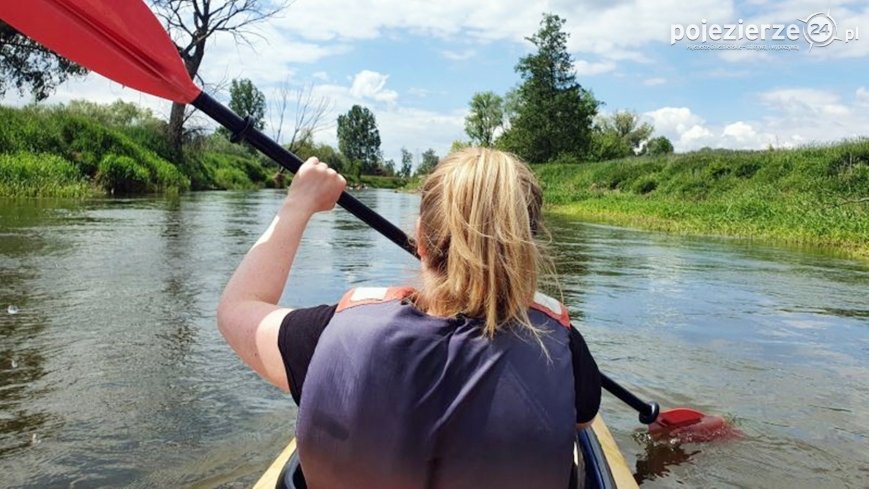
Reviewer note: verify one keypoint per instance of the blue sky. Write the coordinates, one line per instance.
(417, 64)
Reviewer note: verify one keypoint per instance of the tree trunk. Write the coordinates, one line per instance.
(176, 132)
(176, 116)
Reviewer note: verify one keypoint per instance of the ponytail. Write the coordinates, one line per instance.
(479, 215)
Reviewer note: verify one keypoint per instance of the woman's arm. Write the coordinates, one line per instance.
(586, 380)
(248, 315)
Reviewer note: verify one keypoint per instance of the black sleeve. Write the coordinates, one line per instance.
(586, 378)
(300, 331)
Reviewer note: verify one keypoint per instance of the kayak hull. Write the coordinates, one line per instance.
(596, 451)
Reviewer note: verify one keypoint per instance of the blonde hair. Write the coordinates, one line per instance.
(480, 212)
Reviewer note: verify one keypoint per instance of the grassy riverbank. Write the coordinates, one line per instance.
(87, 149)
(813, 195)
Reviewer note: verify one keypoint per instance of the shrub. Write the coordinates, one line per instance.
(40, 175)
(644, 185)
(122, 174)
(229, 178)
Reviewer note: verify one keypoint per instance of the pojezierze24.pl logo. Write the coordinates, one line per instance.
(818, 30)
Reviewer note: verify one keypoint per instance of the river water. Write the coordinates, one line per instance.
(113, 374)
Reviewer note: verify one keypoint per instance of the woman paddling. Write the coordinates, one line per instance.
(475, 380)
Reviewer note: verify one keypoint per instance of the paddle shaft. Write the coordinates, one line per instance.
(648, 410)
(242, 130)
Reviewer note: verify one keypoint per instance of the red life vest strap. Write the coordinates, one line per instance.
(552, 308)
(372, 295)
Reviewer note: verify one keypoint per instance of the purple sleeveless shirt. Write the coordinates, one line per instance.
(397, 399)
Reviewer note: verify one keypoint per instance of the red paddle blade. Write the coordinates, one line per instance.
(119, 39)
(690, 426)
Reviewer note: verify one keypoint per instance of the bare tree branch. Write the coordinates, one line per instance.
(278, 108)
(310, 116)
(191, 23)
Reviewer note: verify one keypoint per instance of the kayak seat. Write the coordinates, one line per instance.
(291, 476)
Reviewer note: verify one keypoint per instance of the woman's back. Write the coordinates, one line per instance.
(464, 384)
(395, 398)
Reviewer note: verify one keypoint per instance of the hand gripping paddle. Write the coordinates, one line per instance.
(123, 40)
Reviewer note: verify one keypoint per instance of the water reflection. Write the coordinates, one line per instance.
(23, 325)
(742, 327)
(658, 457)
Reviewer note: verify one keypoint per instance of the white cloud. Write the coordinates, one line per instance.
(738, 130)
(862, 96)
(419, 92)
(653, 82)
(618, 29)
(742, 135)
(266, 60)
(419, 129)
(673, 120)
(806, 103)
(458, 55)
(680, 125)
(726, 72)
(688, 131)
(695, 137)
(371, 85)
(794, 116)
(587, 68)
(95, 88)
(400, 125)
(746, 56)
(612, 30)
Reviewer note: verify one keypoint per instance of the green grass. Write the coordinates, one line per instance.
(123, 149)
(378, 181)
(41, 175)
(813, 195)
(103, 155)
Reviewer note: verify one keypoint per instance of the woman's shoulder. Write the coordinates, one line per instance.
(372, 295)
(552, 308)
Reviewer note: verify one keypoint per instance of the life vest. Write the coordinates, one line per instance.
(397, 399)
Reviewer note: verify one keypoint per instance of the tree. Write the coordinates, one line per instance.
(406, 163)
(118, 114)
(324, 152)
(193, 22)
(620, 135)
(309, 114)
(459, 145)
(511, 107)
(658, 146)
(29, 67)
(607, 145)
(359, 139)
(626, 125)
(429, 161)
(552, 114)
(485, 117)
(245, 99)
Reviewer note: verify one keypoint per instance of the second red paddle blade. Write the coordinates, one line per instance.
(119, 39)
(690, 426)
